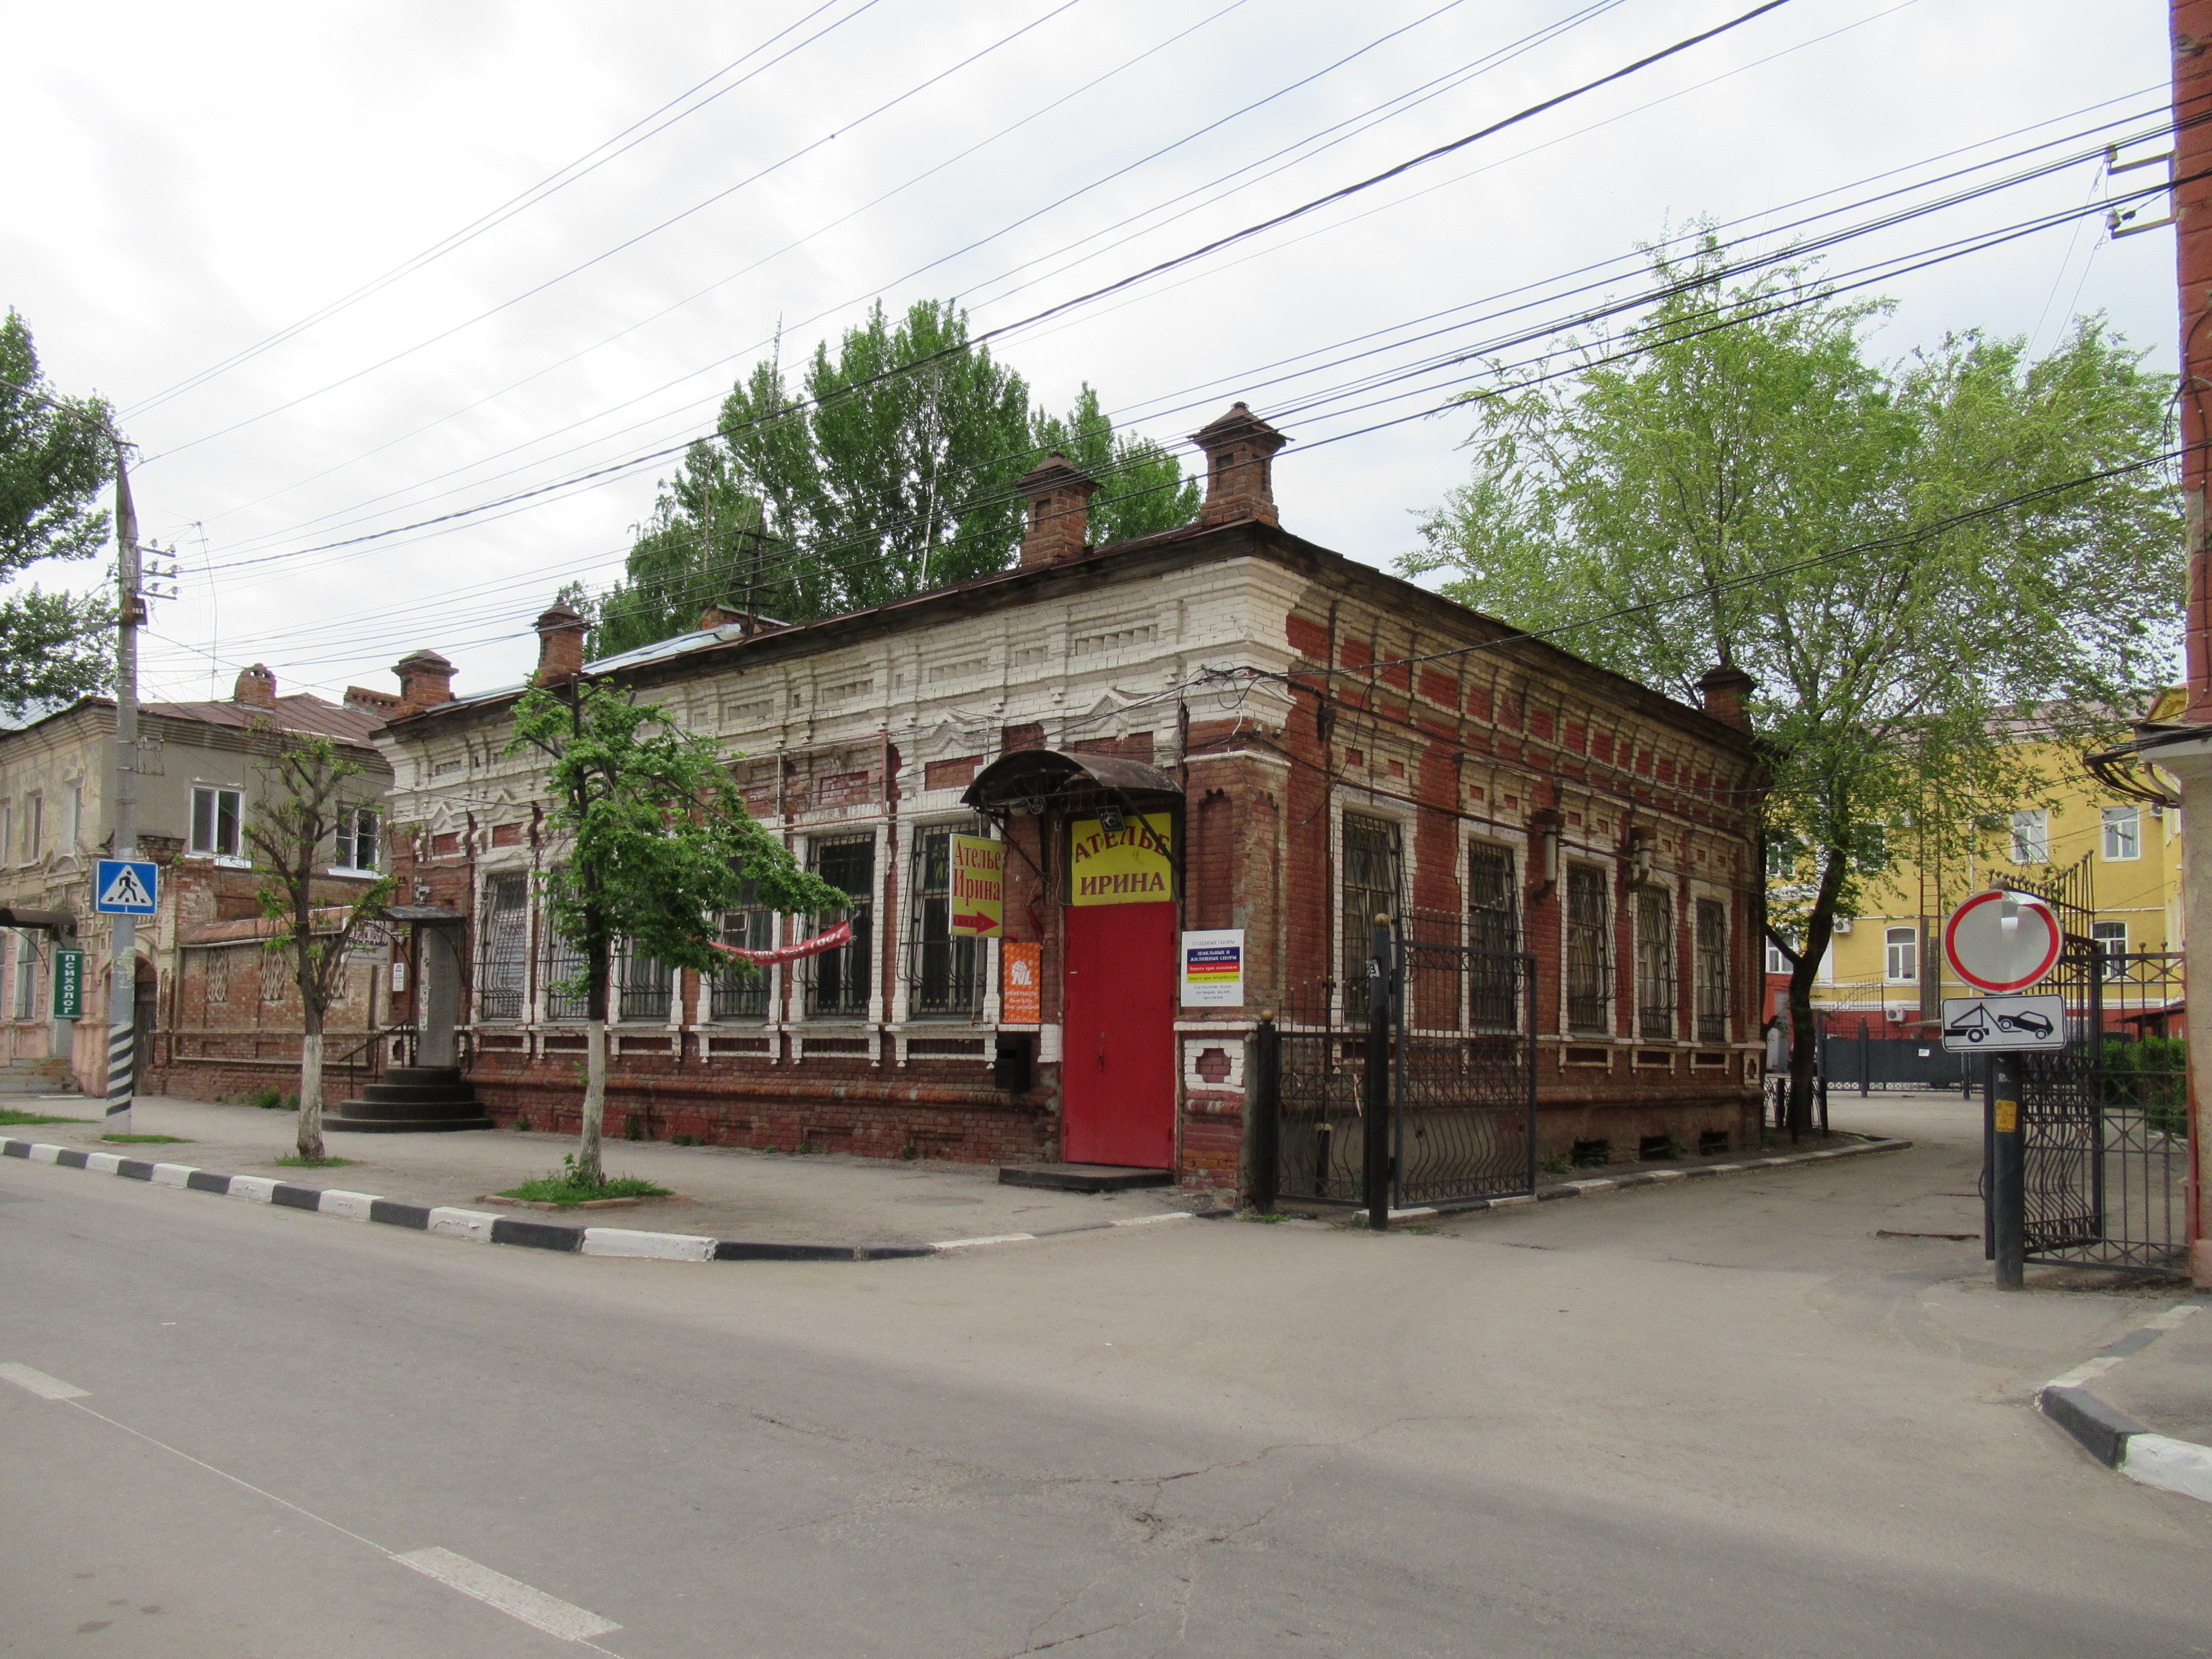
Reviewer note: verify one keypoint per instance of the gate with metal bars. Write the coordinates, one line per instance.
(1463, 1067)
(2105, 1124)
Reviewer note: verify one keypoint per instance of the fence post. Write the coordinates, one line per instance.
(1866, 1059)
(1263, 1100)
(1376, 1084)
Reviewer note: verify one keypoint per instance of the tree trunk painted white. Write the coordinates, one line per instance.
(310, 1095)
(595, 1099)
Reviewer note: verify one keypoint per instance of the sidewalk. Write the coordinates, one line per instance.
(723, 1192)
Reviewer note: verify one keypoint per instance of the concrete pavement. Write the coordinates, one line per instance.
(1725, 1418)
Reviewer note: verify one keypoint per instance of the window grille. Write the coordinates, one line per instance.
(646, 985)
(1654, 963)
(1494, 932)
(944, 974)
(742, 993)
(503, 923)
(215, 815)
(1901, 955)
(1590, 950)
(1712, 972)
(1371, 890)
(837, 983)
(561, 962)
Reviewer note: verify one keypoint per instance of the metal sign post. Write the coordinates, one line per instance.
(2008, 1171)
(1376, 1102)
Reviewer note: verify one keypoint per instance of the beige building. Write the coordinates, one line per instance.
(199, 780)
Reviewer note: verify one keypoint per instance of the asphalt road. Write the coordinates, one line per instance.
(1719, 1419)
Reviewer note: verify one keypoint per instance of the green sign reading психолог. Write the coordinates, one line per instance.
(69, 984)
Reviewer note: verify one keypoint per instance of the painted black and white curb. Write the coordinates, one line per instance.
(2116, 1440)
(484, 1227)
(1598, 1185)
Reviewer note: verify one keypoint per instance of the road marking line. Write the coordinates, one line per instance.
(2171, 1317)
(2085, 1371)
(992, 1238)
(46, 1387)
(510, 1596)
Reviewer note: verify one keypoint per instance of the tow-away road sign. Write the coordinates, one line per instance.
(126, 887)
(1980, 1025)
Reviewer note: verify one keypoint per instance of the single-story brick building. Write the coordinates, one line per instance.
(1221, 729)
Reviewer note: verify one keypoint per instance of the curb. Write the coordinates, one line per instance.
(1600, 1184)
(484, 1227)
(2116, 1440)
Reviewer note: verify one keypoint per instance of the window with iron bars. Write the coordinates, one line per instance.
(502, 935)
(944, 974)
(1494, 934)
(742, 993)
(837, 981)
(1370, 889)
(1654, 963)
(1590, 950)
(647, 985)
(561, 962)
(1712, 972)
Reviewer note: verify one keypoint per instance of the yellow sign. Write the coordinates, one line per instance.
(979, 887)
(2007, 1117)
(1121, 866)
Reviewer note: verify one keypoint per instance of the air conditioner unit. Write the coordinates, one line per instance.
(1895, 1016)
(1843, 924)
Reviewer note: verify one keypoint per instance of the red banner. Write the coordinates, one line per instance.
(818, 945)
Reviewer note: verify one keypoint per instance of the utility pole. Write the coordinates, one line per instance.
(122, 975)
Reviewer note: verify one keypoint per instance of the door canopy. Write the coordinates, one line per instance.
(1030, 782)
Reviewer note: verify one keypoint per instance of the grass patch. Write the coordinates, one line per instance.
(567, 1185)
(150, 1140)
(9, 1114)
(296, 1162)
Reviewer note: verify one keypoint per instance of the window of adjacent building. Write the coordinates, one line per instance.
(1654, 963)
(7, 829)
(740, 993)
(75, 816)
(27, 976)
(1712, 971)
(944, 974)
(1901, 956)
(2123, 832)
(1590, 950)
(503, 928)
(1371, 890)
(1494, 932)
(34, 826)
(2113, 936)
(647, 985)
(1776, 962)
(2031, 837)
(837, 981)
(359, 838)
(215, 817)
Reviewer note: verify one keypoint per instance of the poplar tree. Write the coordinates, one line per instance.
(1731, 479)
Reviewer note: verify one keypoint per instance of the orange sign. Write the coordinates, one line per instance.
(1021, 999)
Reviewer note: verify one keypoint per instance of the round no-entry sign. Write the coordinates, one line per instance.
(2002, 941)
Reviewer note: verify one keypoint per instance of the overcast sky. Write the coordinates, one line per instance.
(188, 181)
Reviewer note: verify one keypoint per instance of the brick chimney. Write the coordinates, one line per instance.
(1059, 496)
(1240, 450)
(257, 687)
(560, 645)
(1723, 691)
(426, 679)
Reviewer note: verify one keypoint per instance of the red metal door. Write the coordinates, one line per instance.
(1118, 1078)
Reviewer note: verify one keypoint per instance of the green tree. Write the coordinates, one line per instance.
(1731, 480)
(310, 797)
(658, 845)
(1142, 489)
(706, 544)
(55, 454)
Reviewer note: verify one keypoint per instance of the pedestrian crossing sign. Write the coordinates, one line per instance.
(125, 887)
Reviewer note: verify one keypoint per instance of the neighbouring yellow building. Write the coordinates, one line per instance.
(2123, 855)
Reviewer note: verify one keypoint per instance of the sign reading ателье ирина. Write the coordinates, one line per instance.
(1127, 865)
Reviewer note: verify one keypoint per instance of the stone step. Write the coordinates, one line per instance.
(402, 1126)
(411, 1110)
(422, 1094)
(1083, 1177)
(427, 1075)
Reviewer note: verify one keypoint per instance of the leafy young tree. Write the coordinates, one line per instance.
(1142, 489)
(55, 454)
(308, 798)
(1731, 480)
(658, 847)
(706, 544)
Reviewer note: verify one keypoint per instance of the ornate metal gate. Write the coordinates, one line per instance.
(1462, 1069)
(2104, 1124)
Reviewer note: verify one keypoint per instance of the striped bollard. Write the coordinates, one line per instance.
(121, 1058)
